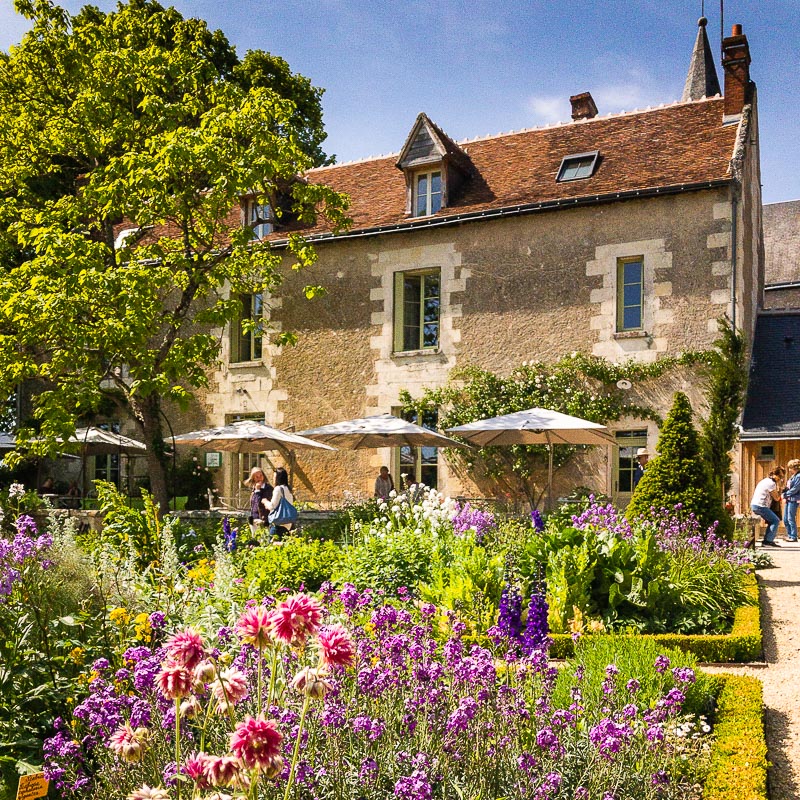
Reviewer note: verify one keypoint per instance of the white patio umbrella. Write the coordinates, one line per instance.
(382, 430)
(535, 426)
(247, 436)
(7, 441)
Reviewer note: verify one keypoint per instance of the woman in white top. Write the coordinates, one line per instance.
(280, 491)
(765, 492)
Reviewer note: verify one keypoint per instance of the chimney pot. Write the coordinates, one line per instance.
(736, 65)
(583, 106)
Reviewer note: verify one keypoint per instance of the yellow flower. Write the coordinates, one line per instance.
(77, 655)
(120, 616)
(142, 629)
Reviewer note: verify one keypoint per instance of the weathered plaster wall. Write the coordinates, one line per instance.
(515, 289)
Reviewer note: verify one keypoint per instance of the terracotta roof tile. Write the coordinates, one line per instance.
(679, 144)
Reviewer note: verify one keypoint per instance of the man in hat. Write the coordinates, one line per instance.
(642, 457)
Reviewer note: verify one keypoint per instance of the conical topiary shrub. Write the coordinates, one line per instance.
(679, 474)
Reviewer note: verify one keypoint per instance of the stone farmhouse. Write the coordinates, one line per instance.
(626, 236)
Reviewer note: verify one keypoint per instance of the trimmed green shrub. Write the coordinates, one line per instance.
(679, 474)
(739, 764)
(296, 562)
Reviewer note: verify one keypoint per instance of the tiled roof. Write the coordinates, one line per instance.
(676, 145)
(772, 409)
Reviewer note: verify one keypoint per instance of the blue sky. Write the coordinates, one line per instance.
(479, 67)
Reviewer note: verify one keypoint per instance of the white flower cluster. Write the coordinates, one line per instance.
(419, 509)
(16, 490)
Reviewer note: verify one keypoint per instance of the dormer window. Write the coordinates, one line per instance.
(575, 167)
(258, 216)
(435, 169)
(427, 193)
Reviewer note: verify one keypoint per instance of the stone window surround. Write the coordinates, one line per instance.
(648, 342)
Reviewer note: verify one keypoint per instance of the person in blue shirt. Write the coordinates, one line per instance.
(791, 494)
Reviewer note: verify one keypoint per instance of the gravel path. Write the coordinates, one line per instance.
(780, 618)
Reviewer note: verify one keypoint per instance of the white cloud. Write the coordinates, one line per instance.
(548, 108)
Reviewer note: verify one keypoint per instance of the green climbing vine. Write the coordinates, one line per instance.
(577, 384)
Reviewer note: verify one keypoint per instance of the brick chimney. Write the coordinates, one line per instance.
(583, 106)
(736, 64)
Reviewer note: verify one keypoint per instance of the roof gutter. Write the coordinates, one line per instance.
(509, 211)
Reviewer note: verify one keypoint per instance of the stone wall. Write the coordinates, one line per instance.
(513, 289)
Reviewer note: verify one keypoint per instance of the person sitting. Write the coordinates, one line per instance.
(383, 484)
(766, 491)
(48, 486)
(73, 497)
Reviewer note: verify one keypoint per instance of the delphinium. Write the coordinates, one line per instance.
(603, 517)
(351, 698)
(537, 521)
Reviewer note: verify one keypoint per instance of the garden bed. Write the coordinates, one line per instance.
(743, 643)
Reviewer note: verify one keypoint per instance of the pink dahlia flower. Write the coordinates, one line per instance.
(204, 673)
(335, 645)
(229, 688)
(253, 627)
(257, 742)
(190, 707)
(128, 743)
(312, 682)
(186, 648)
(225, 771)
(174, 680)
(295, 619)
(195, 767)
(145, 792)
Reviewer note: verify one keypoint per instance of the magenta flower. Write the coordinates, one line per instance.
(295, 619)
(128, 743)
(174, 680)
(336, 646)
(225, 771)
(186, 648)
(230, 687)
(257, 742)
(253, 627)
(196, 769)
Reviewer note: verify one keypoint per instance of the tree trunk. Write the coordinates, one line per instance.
(147, 412)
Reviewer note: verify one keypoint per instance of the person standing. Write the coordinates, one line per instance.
(765, 492)
(791, 496)
(261, 494)
(280, 492)
(384, 484)
(642, 457)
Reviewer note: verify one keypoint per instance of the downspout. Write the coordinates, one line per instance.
(734, 249)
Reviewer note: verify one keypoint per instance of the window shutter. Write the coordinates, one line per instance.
(398, 312)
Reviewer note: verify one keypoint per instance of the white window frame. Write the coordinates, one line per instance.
(255, 211)
(429, 194)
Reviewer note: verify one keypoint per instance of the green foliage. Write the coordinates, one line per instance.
(580, 385)
(469, 582)
(166, 150)
(742, 644)
(678, 475)
(403, 558)
(634, 657)
(296, 562)
(739, 755)
(126, 527)
(727, 383)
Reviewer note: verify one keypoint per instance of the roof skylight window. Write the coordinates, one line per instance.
(575, 167)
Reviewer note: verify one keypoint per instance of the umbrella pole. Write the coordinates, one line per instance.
(549, 475)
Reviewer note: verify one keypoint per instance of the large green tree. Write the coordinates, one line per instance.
(679, 474)
(143, 119)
